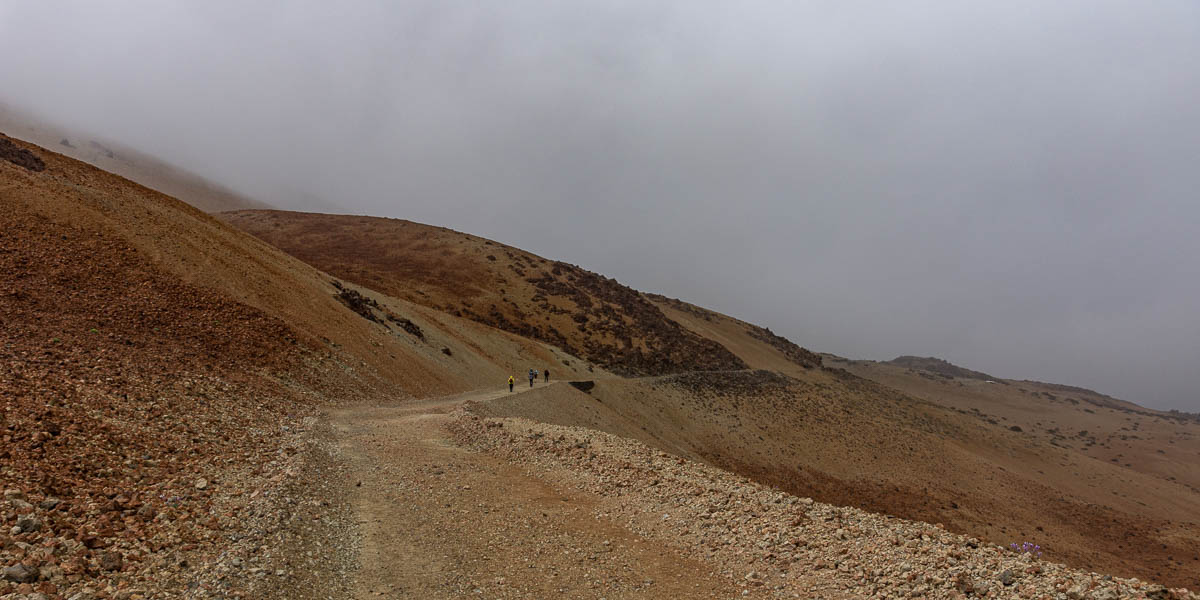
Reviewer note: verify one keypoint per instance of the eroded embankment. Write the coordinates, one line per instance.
(771, 539)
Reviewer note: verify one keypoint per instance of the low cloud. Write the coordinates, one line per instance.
(1008, 185)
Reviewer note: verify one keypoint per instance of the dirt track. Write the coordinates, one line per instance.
(441, 521)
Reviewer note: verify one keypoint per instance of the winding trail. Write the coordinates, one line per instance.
(441, 521)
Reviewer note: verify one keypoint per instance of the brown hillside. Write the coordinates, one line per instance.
(798, 426)
(123, 386)
(1158, 444)
(582, 313)
(849, 441)
(157, 369)
(939, 367)
(758, 347)
(160, 366)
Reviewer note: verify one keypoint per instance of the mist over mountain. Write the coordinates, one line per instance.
(1009, 186)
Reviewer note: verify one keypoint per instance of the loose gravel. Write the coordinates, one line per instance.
(792, 546)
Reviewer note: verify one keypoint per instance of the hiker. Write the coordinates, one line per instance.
(546, 374)
(511, 381)
(531, 376)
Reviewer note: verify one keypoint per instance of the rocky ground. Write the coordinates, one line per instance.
(152, 433)
(767, 540)
(237, 532)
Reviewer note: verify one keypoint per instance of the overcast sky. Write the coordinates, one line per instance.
(1013, 186)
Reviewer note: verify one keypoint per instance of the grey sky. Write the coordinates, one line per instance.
(1008, 185)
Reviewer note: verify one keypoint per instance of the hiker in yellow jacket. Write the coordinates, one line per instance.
(511, 381)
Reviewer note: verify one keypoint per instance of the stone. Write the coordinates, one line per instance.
(201, 483)
(19, 574)
(29, 524)
(111, 561)
(50, 572)
(1006, 578)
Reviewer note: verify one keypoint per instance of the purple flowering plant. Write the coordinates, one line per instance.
(1026, 548)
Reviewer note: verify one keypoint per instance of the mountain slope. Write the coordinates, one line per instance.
(126, 162)
(937, 366)
(806, 429)
(160, 378)
(576, 310)
(1163, 445)
(159, 362)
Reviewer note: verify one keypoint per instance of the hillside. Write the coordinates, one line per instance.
(938, 367)
(162, 375)
(188, 411)
(810, 430)
(1154, 443)
(581, 312)
(126, 162)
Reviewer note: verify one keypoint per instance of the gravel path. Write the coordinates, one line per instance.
(442, 521)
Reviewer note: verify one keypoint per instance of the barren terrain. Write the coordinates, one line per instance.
(581, 312)
(189, 411)
(814, 431)
(159, 372)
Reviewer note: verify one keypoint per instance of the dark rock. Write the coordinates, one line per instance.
(29, 524)
(20, 156)
(20, 574)
(1158, 592)
(357, 302)
(412, 328)
(1006, 577)
(111, 561)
